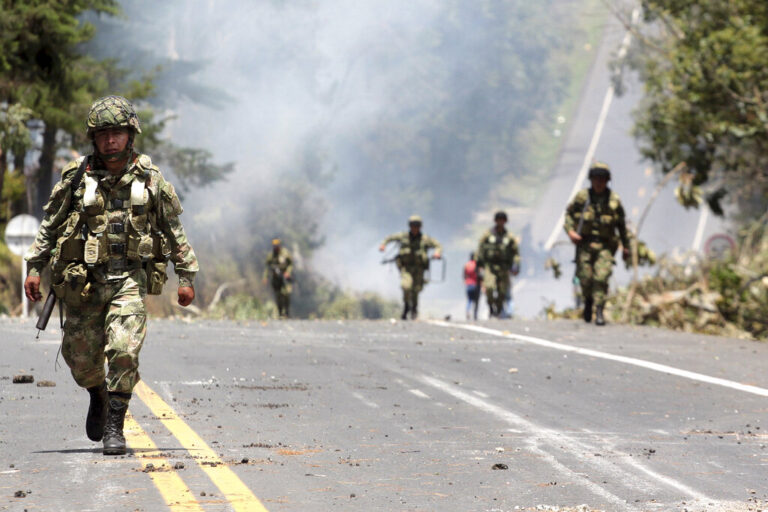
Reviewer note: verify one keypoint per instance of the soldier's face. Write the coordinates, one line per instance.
(111, 140)
(415, 227)
(599, 184)
(500, 223)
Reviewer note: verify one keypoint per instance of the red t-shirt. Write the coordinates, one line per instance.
(470, 273)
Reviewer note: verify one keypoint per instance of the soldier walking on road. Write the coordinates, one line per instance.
(109, 228)
(412, 261)
(595, 223)
(499, 258)
(278, 270)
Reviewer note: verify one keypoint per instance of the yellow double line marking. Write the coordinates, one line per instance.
(173, 489)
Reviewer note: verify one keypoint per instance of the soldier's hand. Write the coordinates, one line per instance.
(32, 288)
(186, 295)
(287, 276)
(625, 253)
(574, 236)
(382, 247)
(437, 255)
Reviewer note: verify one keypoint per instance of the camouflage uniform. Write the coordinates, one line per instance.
(276, 266)
(497, 253)
(602, 229)
(104, 300)
(108, 242)
(412, 261)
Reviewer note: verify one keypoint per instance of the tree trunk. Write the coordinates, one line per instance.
(45, 170)
(3, 168)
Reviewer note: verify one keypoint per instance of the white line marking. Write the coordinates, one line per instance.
(703, 217)
(662, 368)
(367, 402)
(595, 138)
(419, 393)
(480, 394)
(566, 443)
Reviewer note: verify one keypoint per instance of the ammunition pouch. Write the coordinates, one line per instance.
(70, 245)
(71, 284)
(156, 277)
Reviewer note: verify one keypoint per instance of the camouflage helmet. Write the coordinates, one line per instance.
(414, 219)
(112, 111)
(600, 170)
(500, 215)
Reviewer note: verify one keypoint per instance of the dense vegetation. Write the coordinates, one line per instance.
(706, 103)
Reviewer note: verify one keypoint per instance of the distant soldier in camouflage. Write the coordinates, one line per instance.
(278, 271)
(498, 257)
(412, 261)
(594, 221)
(108, 240)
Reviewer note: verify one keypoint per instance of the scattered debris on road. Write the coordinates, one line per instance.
(499, 466)
(46, 384)
(23, 379)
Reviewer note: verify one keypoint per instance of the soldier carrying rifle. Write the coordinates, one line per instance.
(278, 271)
(412, 261)
(594, 221)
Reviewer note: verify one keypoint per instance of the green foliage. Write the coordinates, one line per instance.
(727, 296)
(347, 306)
(243, 306)
(10, 282)
(14, 133)
(706, 104)
(190, 168)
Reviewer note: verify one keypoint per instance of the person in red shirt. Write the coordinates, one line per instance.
(472, 282)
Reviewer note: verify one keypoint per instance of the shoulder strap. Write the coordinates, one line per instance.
(75, 183)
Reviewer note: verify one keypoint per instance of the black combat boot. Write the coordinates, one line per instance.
(406, 309)
(414, 313)
(114, 440)
(588, 303)
(97, 412)
(599, 320)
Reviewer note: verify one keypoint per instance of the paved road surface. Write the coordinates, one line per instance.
(317, 416)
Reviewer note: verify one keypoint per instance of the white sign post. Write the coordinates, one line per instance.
(19, 235)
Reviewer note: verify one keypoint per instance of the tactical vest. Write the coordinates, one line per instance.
(413, 252)
(495, 249)
(277, 265)
(112, 228)
(601, 219)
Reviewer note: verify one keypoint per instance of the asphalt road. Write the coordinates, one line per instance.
(317, 416)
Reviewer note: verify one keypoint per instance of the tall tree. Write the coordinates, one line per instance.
(48, 66)
(706, 96)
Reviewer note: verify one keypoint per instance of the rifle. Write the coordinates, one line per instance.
(277, 275)
(50, 301)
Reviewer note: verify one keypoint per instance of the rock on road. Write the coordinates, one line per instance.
(317, 416)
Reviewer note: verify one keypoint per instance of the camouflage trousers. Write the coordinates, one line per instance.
(282, 291)
(594, 265)
(412, 282)
(497, 287)
(112, 324)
